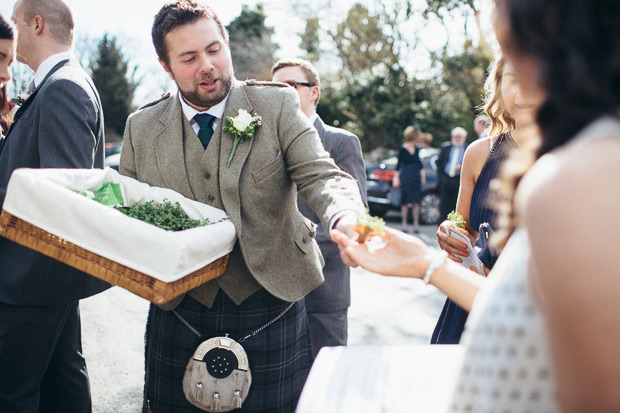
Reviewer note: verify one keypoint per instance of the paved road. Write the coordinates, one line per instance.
(384, 310)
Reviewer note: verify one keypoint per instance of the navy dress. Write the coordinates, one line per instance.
(409, 166)
(452, 319)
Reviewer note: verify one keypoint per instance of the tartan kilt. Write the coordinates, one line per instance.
(280, 356)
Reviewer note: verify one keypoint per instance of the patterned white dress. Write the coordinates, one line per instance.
(506, 367)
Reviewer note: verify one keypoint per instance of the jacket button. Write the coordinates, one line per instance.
(211, 198)
(305, 240)
(208, 175)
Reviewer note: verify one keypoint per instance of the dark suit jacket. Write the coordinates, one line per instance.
(59, 126)
(335, 293)
(443, 159)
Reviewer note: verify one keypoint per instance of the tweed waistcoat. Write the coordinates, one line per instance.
(202, 171)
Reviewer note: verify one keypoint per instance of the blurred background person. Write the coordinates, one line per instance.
(512, 120)
(327, 306)
(449, 165)
(7, 55)
(481, 126)
(410, 177)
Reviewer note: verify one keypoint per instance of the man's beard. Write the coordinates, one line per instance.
(194, 96)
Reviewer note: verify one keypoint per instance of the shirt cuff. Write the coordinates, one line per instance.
(338, 215)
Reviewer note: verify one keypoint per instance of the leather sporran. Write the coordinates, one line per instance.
(217, 377)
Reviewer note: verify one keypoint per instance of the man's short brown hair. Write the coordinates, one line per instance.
(179, 13)
(56, 14)
(310, 73)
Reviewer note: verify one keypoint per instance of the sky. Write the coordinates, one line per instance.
(130, 22)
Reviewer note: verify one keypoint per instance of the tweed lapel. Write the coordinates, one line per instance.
(229, 177)
(168, 136)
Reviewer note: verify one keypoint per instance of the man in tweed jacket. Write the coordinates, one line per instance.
(327, 306)
(276, 259)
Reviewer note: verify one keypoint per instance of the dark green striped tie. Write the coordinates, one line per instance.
(205, 121)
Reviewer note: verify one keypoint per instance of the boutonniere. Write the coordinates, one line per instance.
(241, 127)
(21, 98)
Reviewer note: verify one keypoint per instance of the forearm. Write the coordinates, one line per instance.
(460, 284)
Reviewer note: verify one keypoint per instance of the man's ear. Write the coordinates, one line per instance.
(315, 94)
(38, 24)
(165, 66)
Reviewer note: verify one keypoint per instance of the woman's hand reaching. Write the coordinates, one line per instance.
(400, 255)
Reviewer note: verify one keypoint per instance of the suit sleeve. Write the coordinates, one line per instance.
(327, 189)
(68, 126)
(349, 158)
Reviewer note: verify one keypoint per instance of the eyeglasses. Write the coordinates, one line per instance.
(295, 84)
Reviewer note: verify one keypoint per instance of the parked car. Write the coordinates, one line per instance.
(379, 182)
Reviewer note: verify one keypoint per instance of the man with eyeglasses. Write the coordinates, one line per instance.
(327, 306)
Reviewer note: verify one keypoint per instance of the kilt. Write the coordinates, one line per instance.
(280, 356)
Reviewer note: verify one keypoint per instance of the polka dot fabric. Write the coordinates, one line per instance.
(506, 368)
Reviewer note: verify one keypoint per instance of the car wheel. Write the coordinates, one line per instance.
(429, 209)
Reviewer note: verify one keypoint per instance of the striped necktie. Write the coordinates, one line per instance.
(205, 121)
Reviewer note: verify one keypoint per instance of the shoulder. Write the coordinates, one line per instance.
(155, 108)
(163, 98)
(266, 90)
(590, 167)
(478, 149)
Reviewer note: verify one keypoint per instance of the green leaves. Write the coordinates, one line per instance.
(167, 216)
(457, 219)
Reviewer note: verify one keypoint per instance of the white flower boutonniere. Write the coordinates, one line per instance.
(241, 127)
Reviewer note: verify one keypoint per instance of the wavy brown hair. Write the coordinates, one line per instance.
(499, 117)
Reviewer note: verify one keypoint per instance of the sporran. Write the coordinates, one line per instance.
(217, 377)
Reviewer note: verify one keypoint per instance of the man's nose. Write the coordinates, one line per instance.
(206, 64)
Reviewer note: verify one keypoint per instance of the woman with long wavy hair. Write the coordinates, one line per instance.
(512, 119)
(544, 332)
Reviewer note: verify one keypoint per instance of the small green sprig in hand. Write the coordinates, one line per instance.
(367, 226)
(167, 216)
(457, 219)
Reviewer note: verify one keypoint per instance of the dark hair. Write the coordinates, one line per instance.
(576, 47)
(6, 33)
(179, 13)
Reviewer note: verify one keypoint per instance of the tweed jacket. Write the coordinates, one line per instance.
(259, 189)
(59, 126)
(335, 293)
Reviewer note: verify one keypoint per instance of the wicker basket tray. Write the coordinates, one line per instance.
(143, 285)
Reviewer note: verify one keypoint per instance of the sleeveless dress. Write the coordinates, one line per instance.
(452, 319)
(409, 166)
(506, 366)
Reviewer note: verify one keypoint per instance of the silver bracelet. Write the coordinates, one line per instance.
(434, 264)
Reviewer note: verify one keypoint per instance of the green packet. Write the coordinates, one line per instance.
(111, 193)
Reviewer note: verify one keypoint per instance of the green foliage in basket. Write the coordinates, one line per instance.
(167, 216)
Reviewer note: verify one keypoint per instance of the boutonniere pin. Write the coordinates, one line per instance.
(241, 127)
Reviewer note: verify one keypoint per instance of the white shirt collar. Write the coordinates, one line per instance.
(190, 112)
(49, 63)
(313, 117)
